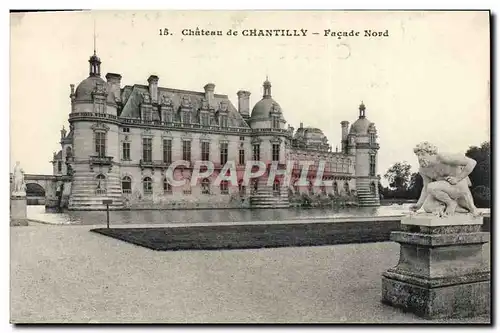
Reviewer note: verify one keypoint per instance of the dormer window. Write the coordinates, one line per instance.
(223, 121)
(276, 122)
(186, 118)
(204, 119)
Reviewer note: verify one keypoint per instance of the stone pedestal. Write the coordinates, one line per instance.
(441, 271)
(17, 208)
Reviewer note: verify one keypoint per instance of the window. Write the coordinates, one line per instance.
(167, 188)
(126, 151)
(126, 130)
(167, 151)
(276, 152)
(204, 119)
(148, 115)
(372, 138)
(255, 186)
(223, 153)
(126, 184)
(167, 116)
(147, 149)
(335, 188)
(186, 118)
(205, 151)
(59, 166)
(241, 188)
(186, 150)
(346, 187)
(311, 188)
(372, 165)
(223, 121)
(100, 144)
(224, 188)
(256, 152)
(101, 185)
(242, 157)
(276, 122)
(147, 185)
(242, 138)
(296, 186)
(373, 188)
(276, 188)
(205, 186)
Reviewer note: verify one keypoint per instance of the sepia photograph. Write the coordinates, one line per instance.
(250, 167)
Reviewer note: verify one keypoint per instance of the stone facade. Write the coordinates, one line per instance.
(122, 140)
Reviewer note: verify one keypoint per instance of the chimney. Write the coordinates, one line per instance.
(114, 83)
(244, 103)
(153, 88)
(301, 125)
(209, 94)
(345, 127)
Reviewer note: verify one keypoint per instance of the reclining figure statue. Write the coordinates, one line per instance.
(446, 182)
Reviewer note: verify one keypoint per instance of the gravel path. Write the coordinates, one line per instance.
(70, 275)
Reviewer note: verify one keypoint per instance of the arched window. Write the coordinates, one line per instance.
(224, 187)
(147, 185)
(335, 188)
(241, 188)
(126, 184)
(59, 166)
(167, 188)
(101, 184)
(205, 186)
(346, 188)
(255, 186)
(373, 188)
(323, 189)
(276, 188)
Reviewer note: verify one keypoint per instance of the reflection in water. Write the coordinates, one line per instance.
(205, 215)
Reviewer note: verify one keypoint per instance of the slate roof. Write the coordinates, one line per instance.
(132, 99)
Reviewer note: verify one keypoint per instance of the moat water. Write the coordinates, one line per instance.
(204, 216)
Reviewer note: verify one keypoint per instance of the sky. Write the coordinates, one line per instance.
(427, 81)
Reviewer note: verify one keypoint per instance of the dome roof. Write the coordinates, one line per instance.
(264, 107)
(83, 92)
(313, 133)
(360, 126)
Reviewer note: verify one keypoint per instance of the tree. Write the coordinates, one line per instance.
(480, 176)
(416, 185)
(481, 173)
(398, 176)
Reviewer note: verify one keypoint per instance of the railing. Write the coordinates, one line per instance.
(134, 121)
(101, 160)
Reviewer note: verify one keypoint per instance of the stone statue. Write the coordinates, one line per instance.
(204, 104)
(19, 184)
(165, 100)
(446, 182)
(275, 108)
(186, 102)
(100, 88)
(223, 106)
(146, 98)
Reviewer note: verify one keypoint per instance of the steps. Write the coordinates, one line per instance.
(366, 197)
(85, 195)
(265, 197)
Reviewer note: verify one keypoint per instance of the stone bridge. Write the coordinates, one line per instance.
(43, 187)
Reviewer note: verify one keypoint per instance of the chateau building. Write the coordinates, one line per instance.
(123, 139)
